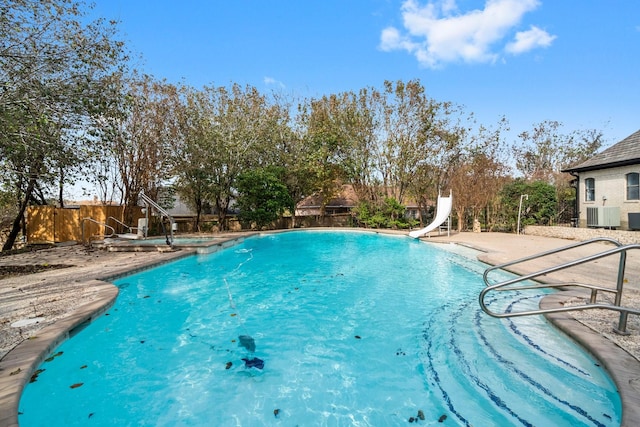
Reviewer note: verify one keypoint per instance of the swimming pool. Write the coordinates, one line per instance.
(353, 329)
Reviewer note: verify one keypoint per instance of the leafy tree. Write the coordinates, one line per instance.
(262, 196)
(141, 146)
(223, 132)
(544, 151)
(386, 214)
(420, 144)
(408, 113)
(283, 146)
(357, 118)
(538, 208)
(237, 128)
(54, 69)
(193, 181)
(321, 120)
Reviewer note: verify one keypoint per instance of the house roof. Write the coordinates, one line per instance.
(624, 153)
(346, 198)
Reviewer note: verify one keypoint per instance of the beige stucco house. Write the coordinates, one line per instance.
(608, 186)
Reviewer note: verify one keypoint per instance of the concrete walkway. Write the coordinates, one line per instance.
(66, 298)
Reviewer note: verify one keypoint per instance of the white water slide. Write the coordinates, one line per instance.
(443, 210)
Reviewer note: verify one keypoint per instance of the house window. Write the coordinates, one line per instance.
(633, 186)
(590, 189)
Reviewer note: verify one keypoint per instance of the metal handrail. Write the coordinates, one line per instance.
(547, 253)
(616, 306)
(121, 223)
(113, 231)
(149, 201)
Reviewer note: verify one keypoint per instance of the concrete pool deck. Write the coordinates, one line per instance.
(67, 298)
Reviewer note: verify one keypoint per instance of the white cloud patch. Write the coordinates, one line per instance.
(270, 81)
(438, 32)
(528, 40)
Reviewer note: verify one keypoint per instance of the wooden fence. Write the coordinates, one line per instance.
(48, 224)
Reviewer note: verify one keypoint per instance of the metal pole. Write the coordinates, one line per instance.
(520, 211)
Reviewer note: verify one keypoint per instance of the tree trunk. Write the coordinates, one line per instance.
(15, 229)
(198, 213)
(222, 206)
(61, 188)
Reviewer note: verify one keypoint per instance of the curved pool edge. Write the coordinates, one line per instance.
(622, 367)
(17, 367)
(19, 364)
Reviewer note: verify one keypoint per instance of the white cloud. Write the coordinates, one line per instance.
(271, 81)
(437, 32)
(528, 40)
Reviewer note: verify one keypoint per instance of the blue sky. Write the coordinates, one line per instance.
(577, 62)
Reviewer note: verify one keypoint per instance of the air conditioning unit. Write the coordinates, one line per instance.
(603, 216)
(634, 220)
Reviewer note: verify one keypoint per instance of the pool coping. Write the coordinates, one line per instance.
(622, 367)
(19, 364)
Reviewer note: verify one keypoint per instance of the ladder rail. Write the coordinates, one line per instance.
(150, 202)
(113, 231)
(117, 221)
(506, 285)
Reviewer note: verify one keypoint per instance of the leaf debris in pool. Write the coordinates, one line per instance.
(50, 358)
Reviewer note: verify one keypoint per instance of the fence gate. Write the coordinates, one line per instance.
(48, 224)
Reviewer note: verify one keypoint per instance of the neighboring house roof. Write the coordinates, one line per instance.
(624, 153)
(346, 198)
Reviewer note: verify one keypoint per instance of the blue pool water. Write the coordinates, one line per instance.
(353, 329)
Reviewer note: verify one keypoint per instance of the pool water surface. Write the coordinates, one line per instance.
(351, 328)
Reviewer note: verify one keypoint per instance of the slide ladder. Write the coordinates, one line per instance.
(443, 213)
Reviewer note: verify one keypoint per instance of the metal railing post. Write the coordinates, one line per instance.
(622, 322)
